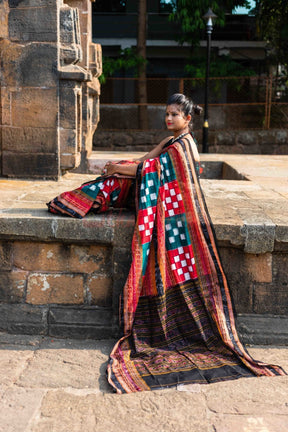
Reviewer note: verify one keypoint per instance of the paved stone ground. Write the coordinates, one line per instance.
(57, 385)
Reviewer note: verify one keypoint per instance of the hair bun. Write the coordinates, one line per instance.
(197, 109)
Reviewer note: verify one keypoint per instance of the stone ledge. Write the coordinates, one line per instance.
(263, 329)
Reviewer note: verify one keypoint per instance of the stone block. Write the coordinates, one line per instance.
(271, 298)
(30, 3)
(259, 267)
(281, 137)
(29, 140)
(95, 58)
(12, 286)
(90, 259)
(55, 288)
(240, 282)
(33, 24)
(34, 107)
(10, 62)
(38, 66)
(4, 11)
(70, 107)
(87, 322)
(258, 329)
(99, 290)
(23, 318)
(69, 26)
(69, 161)
(224, 138)
(5, 101)
(69, 142)
(258, 238)
(5, 256)
(29, 165)
(124, 228)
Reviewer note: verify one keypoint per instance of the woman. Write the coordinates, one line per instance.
(177, 316)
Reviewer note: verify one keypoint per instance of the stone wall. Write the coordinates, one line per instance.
(66, 286)
(49, 90)
(118, 131)
(67, 281)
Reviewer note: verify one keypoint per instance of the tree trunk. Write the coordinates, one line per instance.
(141, 51)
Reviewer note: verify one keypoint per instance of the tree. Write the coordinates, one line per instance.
(189, 14)
(272, 20)
(141, 53)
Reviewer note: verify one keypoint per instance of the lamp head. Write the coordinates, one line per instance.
(209, 17)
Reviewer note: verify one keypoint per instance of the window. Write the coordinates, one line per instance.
(118, 6)
(167, 6)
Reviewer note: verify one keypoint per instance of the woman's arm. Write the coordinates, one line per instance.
(125, 170)
(130, 170)
(156, 151)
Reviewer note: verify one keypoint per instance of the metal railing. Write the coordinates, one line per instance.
(255, 102)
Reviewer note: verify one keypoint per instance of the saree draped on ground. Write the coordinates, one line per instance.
(177, 315)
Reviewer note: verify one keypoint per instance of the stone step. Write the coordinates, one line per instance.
(62, 277)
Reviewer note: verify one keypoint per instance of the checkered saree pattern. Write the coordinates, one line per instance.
(97, 196)
(177, 313)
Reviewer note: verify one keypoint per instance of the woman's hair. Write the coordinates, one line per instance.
(185, 104)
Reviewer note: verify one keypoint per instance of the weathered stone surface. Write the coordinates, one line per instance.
(87, 322)
(263, 329)
(99, 290)
(44, 108)
(29, 3)
(249, 423)
(29, 140)
(5, 256)
(30, 165)
(70, 105)
(12, 365)
(36, 38)
(259, 267)
(66, 367)
(12, 286)
(149, 410)
(33, 24)
(61, 257)
(23, 318)
(90, 315)
(235, 399)
(4, 11)
(271, 298)
(18, 407)
(55, 288)
(240, 282)
(258, 238)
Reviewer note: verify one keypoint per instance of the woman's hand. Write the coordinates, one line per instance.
(109, 169)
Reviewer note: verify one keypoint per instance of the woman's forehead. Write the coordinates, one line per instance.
(173, 108)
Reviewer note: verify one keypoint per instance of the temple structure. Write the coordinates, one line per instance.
(49, 88)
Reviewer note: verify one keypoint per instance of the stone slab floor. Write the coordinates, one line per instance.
(57, 385)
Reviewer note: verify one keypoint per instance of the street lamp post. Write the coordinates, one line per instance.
(209, 16)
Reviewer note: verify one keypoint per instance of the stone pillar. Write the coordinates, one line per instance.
(49, 90)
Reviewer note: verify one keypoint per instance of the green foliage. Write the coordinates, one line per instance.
(189, 14)
(220, 66)
(272, 20)
(127, 59)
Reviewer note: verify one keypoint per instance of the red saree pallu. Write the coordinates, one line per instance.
(176, 310)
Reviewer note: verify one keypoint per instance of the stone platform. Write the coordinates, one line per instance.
(59, 385)
(62, 277)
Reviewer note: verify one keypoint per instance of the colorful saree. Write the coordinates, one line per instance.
(176, 310)
(95, 196)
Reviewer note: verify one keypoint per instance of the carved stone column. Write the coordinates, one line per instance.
(49, 90)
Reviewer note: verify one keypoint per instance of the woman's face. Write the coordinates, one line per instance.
(175, 119)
